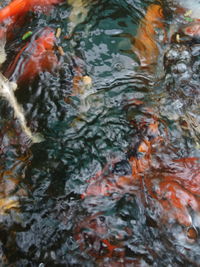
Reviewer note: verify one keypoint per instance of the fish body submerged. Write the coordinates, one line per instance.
(14, 14)
(7, 91)
(34, 57)
(152, 32)
(145, 45)
(20, 7)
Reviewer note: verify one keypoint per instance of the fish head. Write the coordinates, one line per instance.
(44, 57)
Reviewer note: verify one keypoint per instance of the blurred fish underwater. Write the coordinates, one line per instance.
(100, 142)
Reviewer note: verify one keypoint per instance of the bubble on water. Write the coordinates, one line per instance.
(181, 67)
(118, 66)
(195, 50)
(185, 56)
(196, 66)
(172, 55)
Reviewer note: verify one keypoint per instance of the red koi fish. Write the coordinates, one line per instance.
(13, 15)
(106, 185)
(145, 45)
(178, 191)
(34, 57)
(20, 7)
(176, 186)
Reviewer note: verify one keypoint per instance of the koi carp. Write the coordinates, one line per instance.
(139, 164)
(145, 46)
(152, 28)
(175, 195)
(177, 189)
(13, 16)
(20, 7)
(34, 57)
(175, 186)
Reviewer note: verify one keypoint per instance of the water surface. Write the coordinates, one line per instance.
(95, 128)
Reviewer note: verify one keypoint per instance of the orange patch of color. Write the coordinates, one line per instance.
(145, 45)
(19, 7)
(34, 57)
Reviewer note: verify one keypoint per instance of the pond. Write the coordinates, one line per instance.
(99, 143)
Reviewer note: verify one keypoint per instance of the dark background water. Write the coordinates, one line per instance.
(85, 132)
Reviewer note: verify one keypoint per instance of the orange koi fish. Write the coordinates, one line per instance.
(176, 202)
(34, 57)
(20, 7)
(178, 192)
(145, 45)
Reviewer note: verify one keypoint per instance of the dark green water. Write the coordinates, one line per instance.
(84, 133)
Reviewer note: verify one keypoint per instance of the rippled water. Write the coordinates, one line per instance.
(93, 129)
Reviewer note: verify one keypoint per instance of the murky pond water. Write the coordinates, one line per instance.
(115, 178)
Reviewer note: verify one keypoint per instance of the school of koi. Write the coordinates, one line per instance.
(173, 185)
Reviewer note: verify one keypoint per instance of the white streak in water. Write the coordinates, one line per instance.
(7, 91)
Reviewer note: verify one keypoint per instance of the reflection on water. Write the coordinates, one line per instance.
(116, 180)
